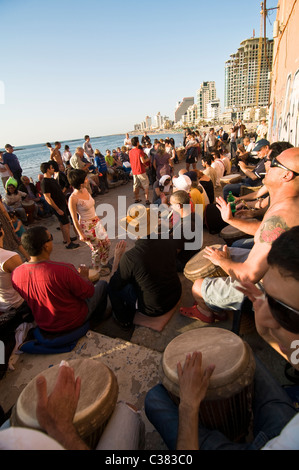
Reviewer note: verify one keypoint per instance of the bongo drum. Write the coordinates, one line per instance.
(227, 406)
(230, 179)
(29, 207)
(93, 275)
(98, 397)
(231, 234)
(199, 267)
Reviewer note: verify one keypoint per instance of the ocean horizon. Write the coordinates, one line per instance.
(31, 156)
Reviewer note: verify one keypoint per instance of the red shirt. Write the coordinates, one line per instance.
(55, 293)
(138, 168)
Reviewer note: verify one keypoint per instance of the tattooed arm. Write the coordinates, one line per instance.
(254, 268)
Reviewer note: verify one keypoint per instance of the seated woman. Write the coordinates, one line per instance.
(14, 198)
(12, 305)
(88, 226)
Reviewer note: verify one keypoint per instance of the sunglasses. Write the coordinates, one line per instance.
(286, 316)
(276, 163)
(49, 239)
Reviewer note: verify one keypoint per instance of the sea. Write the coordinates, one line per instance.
(31, 156)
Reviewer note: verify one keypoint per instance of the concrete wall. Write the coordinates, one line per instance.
(284, 100)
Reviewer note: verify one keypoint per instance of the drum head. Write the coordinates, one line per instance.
(231, 232)
(227, 351)
(200, 266)
(99, 391)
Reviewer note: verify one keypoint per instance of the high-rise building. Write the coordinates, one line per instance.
(205, 94)
(247, 76)
(181, 109)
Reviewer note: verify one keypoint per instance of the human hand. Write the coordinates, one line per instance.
(83, 270)
(215, 255)
(60, 212)
(120, 248)
(225, 209)
(193, 380)
(55, 413)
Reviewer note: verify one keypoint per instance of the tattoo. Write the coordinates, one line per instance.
(272, 229)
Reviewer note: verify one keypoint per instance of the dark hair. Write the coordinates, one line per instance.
(57, 143)
(48, 144)
(45, 166)
(216, 154)
(66, 147)
(12, 214)
(55, 165)
(86, 137)
(284, 253)
(134, 141)
(34, 239)
(279, 147)
(76, 178)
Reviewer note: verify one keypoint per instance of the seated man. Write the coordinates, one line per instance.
(218, 294)
(275, 418)
(145, 274)
(187, 228)
(61, 298)
(252, 177)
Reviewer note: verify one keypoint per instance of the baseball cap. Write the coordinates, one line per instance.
(260, 144)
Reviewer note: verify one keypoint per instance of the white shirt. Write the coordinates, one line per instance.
(9, 297)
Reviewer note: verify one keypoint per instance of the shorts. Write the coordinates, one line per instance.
(220, 293)
(63, 219)
(140, 181)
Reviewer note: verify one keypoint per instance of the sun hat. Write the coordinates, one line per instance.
(182, 182)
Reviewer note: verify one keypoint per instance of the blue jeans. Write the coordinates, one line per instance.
(246, 243)
(123, 302)
(272, 410)
(98, 302)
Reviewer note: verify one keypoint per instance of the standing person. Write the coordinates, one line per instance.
(88, 226)
(233, 143)
(145, 139)
(262, 130)
(127, 142)
(56, 156)
(5, 172)
(50, 148)
(140, 178)
(240, 130)
(88, 150)
(162, 161)
(210, 140)
(100, 163)
(56, 199)
(12, 161)
(67, 155)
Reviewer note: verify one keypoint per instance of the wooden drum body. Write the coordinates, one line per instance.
(98, 397)
(199, 267)
(230, 179)
(228, 403)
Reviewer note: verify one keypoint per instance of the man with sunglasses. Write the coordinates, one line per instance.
(275, 418)
(218, 294)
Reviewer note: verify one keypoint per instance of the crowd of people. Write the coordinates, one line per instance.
(264, 270)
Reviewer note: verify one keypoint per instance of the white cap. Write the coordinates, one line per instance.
(182, 182)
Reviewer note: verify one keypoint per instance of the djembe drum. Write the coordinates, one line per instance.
(230, 179)
(199, 267)
(29, 207)
(231, 234)
(98, 397)
(227, 406)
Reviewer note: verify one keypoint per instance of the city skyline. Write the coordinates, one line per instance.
(69, 69)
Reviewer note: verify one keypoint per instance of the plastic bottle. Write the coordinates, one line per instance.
(231, 201)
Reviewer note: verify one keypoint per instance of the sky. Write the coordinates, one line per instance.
(72, 67)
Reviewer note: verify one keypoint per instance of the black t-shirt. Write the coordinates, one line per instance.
(186, 232)
(151, 267)
(50, 185)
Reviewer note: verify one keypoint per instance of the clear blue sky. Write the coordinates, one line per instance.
(73, 67)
